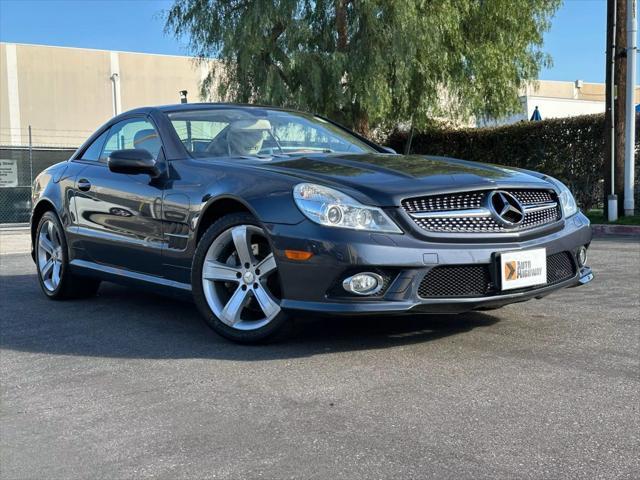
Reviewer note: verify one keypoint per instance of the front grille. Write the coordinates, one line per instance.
(476, 281)
(460, 221)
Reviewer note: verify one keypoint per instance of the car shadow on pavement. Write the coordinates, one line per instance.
(124, 322)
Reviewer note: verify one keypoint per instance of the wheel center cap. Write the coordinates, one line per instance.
(248, 277)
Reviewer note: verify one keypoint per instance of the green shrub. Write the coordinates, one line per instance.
(570, 149)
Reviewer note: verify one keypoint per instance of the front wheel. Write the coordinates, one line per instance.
(235, 281)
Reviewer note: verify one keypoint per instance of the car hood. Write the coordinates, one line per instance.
(386, 179)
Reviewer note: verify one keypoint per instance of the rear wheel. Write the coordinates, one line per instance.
(235, 281)
(52, 261)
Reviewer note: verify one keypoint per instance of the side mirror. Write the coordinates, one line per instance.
(133, 161)
(389, 150)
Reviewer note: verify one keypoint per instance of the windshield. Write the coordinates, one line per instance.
(260, 133)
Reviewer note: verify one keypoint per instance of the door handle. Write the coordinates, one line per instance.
(84, 185)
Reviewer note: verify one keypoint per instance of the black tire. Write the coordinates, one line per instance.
(70, 285)
(276, 329)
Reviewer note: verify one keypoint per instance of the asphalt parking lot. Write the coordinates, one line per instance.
(133, 385)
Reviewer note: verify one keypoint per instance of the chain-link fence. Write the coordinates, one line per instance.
(20, 164)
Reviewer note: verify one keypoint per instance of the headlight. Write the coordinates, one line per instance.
(332, 208)
(567, 202)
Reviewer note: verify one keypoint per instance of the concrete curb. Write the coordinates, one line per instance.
(13, 231)
(627, 230)
(8, 228)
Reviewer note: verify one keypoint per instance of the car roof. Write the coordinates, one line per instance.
(179, 107)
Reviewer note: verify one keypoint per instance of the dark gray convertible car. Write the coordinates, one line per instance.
(258, 212)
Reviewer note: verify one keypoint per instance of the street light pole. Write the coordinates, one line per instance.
(630, 121)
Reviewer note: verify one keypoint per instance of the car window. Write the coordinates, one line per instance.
(196, 134)
(262, 133)
(93, 151)
(296, 134)
(134, 133)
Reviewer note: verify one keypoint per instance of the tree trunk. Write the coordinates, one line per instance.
(407, 146)
(359, 117)
(620, 79)
(341, 24)
(361, 121)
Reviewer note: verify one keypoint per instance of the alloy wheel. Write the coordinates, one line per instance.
(50, 255)
(239, 278)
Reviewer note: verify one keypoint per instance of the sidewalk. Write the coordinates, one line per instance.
(608, 229)
(14, 241)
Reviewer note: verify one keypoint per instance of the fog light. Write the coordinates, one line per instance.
(582, 256)
(366, 283)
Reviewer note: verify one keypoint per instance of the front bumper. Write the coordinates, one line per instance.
(314, 285)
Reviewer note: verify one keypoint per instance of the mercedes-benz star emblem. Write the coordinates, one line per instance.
(506, 208)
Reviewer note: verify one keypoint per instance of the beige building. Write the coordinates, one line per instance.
(64, 94)
(556, 99)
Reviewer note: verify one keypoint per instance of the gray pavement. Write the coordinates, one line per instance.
(133, 385)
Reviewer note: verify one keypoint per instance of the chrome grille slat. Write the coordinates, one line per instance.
(532, 197)
(466, 212)
(475, 212)
(454, 201)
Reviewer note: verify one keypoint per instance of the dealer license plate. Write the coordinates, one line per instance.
(523, 269)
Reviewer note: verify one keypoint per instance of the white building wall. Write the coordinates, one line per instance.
(549, 108)
(562, 107)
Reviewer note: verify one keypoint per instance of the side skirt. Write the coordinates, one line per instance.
(127, 277)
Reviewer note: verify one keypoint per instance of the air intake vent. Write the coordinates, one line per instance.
(475, 280)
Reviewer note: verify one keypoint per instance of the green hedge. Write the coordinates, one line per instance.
(570, 149)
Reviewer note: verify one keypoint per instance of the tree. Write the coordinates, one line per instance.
(370, 63)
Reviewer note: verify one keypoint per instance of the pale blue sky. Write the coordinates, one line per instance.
(576, 40)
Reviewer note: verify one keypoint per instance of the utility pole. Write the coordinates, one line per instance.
(620, 79)
(610, 198)
(630, 120)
